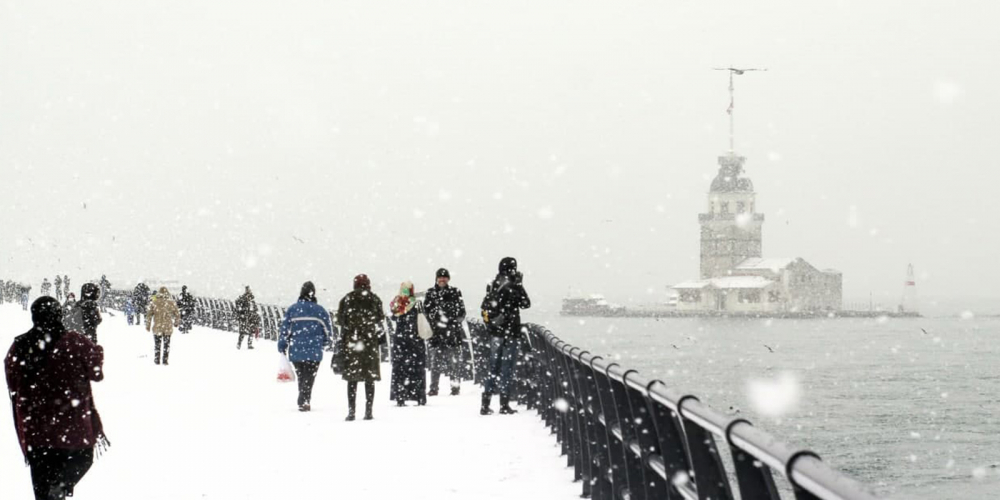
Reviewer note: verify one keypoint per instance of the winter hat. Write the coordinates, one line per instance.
(508, 265)
(361, 282)
(90, 291)
(443, 273)
(46, 313)
(308, 292)
(184, 288)
(164, 291)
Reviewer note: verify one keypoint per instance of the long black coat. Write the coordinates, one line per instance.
(362, 321)
(246, 313)
(140, 297)
(409, 360)
(445, 312)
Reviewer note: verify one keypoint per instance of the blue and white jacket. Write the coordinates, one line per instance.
(305, 332)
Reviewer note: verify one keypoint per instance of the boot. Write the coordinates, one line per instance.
(485, 409)
(505, 408)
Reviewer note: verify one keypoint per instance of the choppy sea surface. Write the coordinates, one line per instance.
(908, 406)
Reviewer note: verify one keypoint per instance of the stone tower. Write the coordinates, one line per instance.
(731, 230)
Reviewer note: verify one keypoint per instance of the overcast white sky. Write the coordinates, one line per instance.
(197, 140)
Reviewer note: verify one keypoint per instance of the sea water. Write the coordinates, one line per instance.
(908, 406)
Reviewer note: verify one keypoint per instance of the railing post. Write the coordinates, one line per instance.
(709, 474)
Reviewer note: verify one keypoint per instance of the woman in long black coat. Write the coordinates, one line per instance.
(409, 354)
(363, 321)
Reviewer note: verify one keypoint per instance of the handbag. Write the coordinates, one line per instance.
(424, 330)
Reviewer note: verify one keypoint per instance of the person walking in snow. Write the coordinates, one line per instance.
(140, 298)
(59, 292)
(49, 371)
(362, 320)
(186, 304)
(46, 287)
(247, 319)
(90, 314)
(446, 312)
(129, 309)
(305, 332)
(501, 309)
(162, 318)
(409, 354)
(105, 288)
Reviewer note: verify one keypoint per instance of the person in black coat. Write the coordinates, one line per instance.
(140, 297)
(247, 320)
(505, 297)
(445, 311)
(91, 314)
(185, 303)
(409, 355)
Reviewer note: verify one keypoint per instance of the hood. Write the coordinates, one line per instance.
(308, 292)
(361, 282)
(508, 266)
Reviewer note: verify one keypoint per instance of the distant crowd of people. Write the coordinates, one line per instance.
(50, 368)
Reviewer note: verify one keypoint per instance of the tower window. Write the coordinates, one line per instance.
(741, 207)
(724, 207)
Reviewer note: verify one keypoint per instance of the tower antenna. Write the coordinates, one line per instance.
(732, 100)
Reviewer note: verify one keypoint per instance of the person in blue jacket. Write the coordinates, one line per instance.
(305, 332)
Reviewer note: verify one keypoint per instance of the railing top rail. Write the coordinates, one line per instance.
(801, 467)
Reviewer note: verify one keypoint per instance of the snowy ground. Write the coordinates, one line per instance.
(215, 424)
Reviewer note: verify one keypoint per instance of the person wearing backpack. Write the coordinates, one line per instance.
(305, 332)
(501, 310)
(362, 320)
(90, 314)
(162, 318)
(445, 311)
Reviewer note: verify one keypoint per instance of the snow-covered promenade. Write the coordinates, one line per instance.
(216, 424)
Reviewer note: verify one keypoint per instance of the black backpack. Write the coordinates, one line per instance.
(490, 306)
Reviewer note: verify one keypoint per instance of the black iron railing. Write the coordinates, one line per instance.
(629, 437)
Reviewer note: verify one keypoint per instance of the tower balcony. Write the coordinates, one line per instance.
(726, 217)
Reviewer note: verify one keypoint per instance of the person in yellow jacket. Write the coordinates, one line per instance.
(162, 316)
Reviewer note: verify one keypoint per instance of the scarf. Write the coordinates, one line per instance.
(403, 302)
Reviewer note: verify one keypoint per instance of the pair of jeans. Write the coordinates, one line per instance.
(503, 359)
(55, 472)
(305, 372)
(157, 341)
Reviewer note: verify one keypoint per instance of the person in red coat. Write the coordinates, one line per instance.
(49, 371)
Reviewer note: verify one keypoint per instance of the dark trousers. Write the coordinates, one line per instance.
(157, 340)
(55, 472)
(446, 360)
(305, 372)
(249, 336)
(352, 395)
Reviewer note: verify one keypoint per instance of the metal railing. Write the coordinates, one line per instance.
(631, 438)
